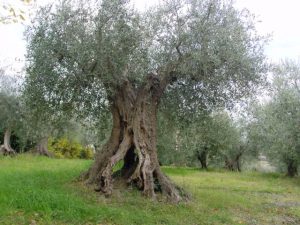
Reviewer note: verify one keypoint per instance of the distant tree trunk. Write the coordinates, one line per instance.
(228, 164)
(202, 157)
(42, 148)
(292, 169)
(6, 149)
(133, 139)
(177, 140)
(234, 164)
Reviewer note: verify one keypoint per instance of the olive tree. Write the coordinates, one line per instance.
(9, 119)
(11, 110)
(216, 138)
(277, 121)
(87, 56)
(42, 122)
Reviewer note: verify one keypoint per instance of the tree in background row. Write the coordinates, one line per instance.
(216, 138)
(276, 123)
(11, 111)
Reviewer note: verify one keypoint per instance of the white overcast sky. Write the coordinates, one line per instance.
(280, 18)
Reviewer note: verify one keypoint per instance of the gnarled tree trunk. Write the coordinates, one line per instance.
(6, 149)
(41, 148)
(133, 140)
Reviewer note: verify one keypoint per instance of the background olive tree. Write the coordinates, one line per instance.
(275, 127)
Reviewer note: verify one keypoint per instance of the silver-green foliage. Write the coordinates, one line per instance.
(277, 122)
(11, 107)
(79, 52)
(10, 112)
(216, 134)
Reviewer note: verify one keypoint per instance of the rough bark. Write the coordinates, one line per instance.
(202, 157)
(42, 148)
(6, 149)
(133, 140)
(292, 169)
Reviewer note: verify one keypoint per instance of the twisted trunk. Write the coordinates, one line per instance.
(6, 149)
(133, 140)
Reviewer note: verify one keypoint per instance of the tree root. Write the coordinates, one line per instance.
(143, 176)
(7, 151)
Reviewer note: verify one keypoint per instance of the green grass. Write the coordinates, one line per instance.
(37, 190)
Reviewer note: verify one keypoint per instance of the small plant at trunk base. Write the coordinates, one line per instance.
(85, 58)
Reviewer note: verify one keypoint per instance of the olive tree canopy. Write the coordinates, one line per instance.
(85, 57)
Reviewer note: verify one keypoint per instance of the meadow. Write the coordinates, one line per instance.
(38, 190)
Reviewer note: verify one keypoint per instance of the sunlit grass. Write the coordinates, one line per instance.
(44, 191)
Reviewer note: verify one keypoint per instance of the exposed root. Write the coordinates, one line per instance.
(141, 174)
(140, 169)
(7, 151)
(174, 193)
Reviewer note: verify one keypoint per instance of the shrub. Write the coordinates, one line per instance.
(66, 148)
(87, 153)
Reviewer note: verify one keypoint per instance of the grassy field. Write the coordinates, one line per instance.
(37, 190)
